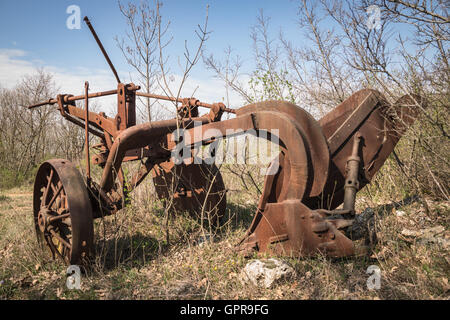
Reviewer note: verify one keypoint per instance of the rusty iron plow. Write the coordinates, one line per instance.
(321, 166)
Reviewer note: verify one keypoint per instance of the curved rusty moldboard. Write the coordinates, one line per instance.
(282, 224)
(381, 126)
(313, 136)
(288, 226)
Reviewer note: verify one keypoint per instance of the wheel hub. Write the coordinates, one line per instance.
(43, 219)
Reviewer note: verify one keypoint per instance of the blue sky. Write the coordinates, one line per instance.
(39, 28)
(34, 34)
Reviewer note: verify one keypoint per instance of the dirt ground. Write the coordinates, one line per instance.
(136, 262)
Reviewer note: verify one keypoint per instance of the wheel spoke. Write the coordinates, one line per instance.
(62, 203)
(53, 249)
(44, 198)
(64, 242)
(55, 196)
(63, 211)
(48, 243)
(59, 217)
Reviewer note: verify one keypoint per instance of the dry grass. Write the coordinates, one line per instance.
(135, 261)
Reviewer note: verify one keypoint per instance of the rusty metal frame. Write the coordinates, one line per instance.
(322, 164)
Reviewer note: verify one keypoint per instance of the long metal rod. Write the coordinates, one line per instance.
(198, 103)
(74, 98)
(207, 105)
(81, 97)
(135, 137)
(86, 129)
(159, 97)
(101, 48)
(92, 95)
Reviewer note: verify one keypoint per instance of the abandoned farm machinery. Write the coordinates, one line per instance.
(321, 166)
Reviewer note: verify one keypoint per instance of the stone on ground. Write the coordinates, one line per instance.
(266, 272)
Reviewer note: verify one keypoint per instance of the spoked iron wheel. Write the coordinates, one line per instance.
(200, 186)
(63, 212)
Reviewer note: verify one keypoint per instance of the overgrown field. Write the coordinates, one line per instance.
(134, 260)
(333, 52)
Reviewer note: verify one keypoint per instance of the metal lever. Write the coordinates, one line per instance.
(86, 127)
(101, 48)
(351, 181)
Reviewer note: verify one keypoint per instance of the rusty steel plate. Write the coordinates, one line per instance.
(313, 138)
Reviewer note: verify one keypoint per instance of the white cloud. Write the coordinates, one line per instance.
(14, 65)
(11, 68)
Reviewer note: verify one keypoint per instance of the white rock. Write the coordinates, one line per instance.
(429, 235)
(423, 233)
(265, 273)
(399, 213)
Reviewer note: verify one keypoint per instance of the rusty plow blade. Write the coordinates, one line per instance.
(321, 166)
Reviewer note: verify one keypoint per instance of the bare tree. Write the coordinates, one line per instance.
(145, 49)
(405, 52)
(28, 138)
(229, 71)
(140, 46)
